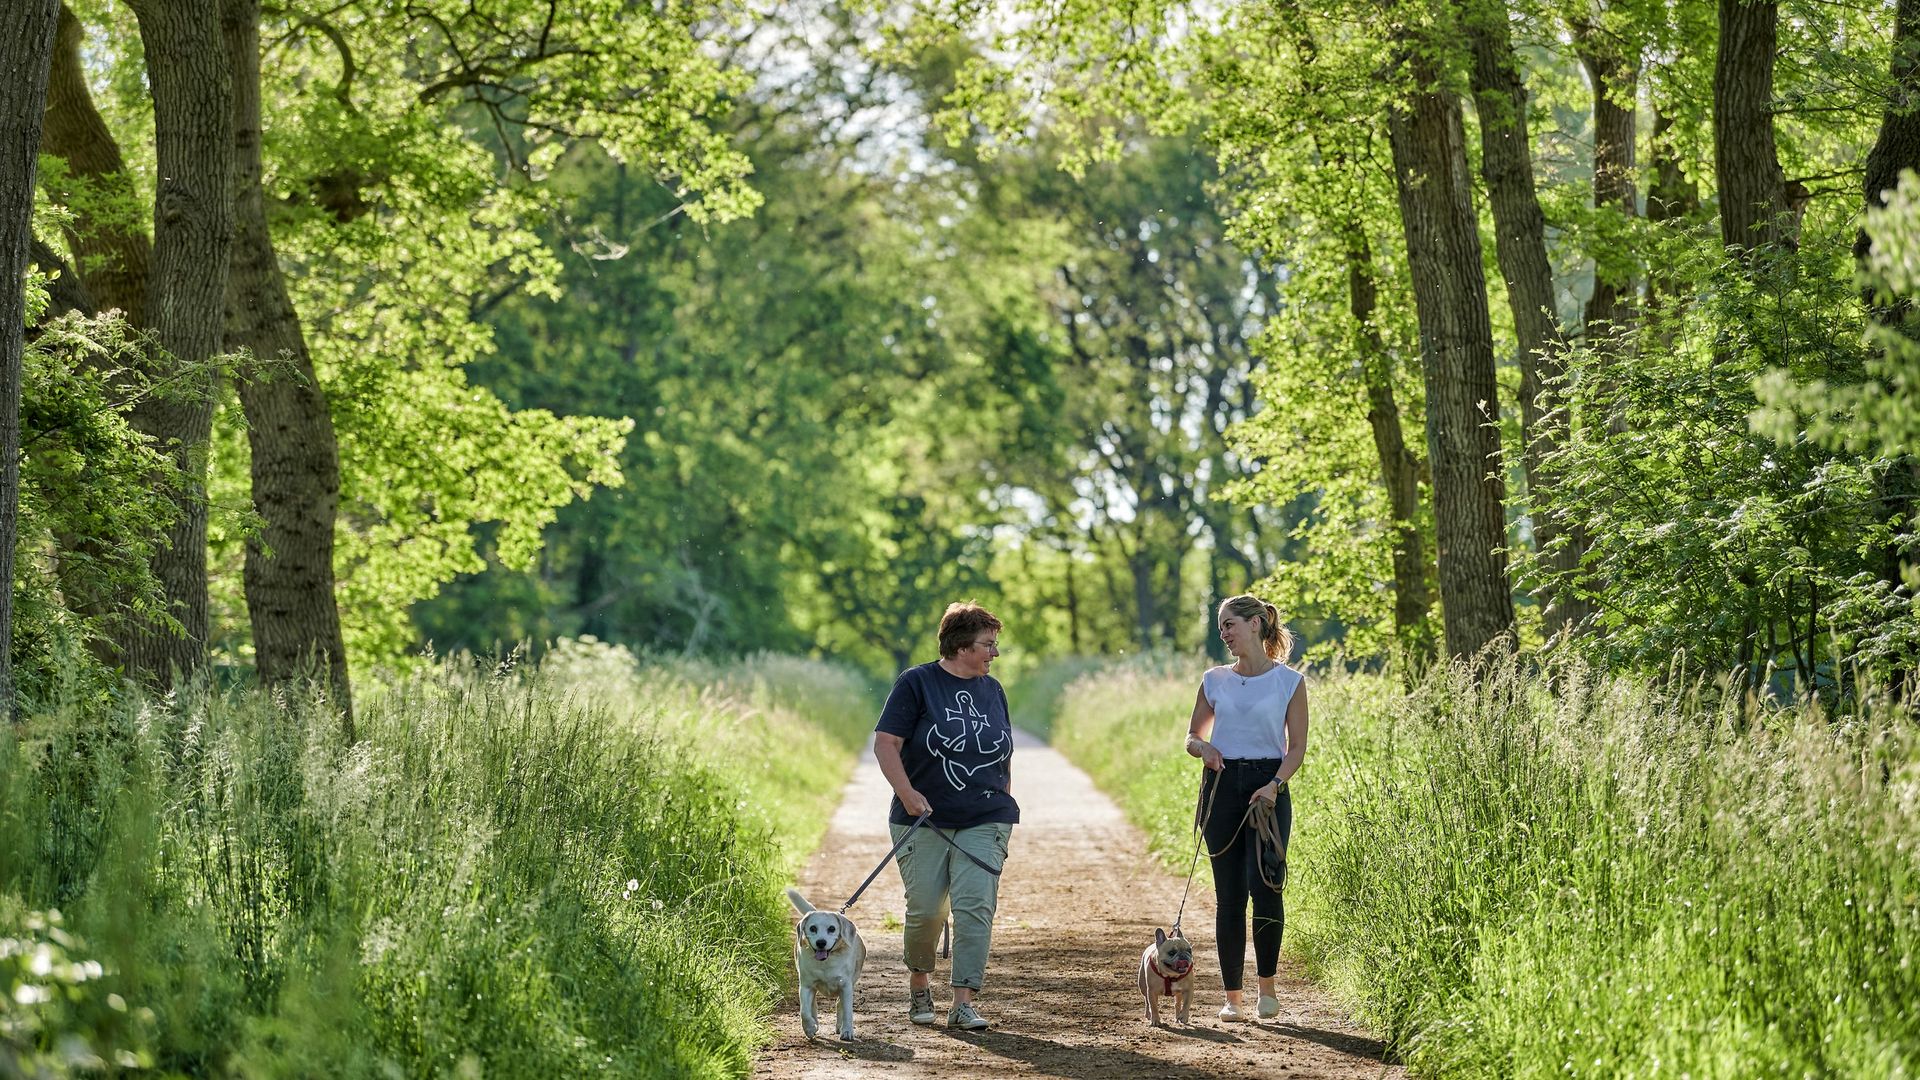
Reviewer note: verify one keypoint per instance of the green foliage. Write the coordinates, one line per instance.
(406, 145)
(1606, 878)
(95, 496)
(1874, 408)
(519, 873)
(1712, 540)
(389, 296)
(54, 1022)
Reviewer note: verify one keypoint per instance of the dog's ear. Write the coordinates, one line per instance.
(846, 927)
(1159, 936)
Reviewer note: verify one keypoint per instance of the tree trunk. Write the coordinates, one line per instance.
(296, 471)
(26, 54)
(186, 302)
(110, 258)
(1456, 345)
(1753, 190)
(1614, 78)
(1897, 147)
(1671, 197)
(1073, 607)
(1146, 608)
(1399, 466)
(1506, 163)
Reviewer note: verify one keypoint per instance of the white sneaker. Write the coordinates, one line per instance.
(965, 1017)
(1231, 1015)
(1269, 1007)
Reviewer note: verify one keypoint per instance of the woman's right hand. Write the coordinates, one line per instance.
(914, 803)
(1210, 755)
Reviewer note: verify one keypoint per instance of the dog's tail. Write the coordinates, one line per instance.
(799, 902)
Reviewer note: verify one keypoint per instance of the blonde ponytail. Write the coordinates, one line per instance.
(1274, 637)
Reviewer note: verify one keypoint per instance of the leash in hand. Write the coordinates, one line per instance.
(1266, 826)
(898, 844)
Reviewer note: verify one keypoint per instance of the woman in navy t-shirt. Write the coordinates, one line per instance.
(945, 744)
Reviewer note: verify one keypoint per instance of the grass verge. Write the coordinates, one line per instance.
(566, 872)
(1607, 880)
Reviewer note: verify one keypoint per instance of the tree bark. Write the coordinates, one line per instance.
(110, 258)
(1753, 190)
(1614, 77)
(1671, 197)
(1456, 344)
(1401, 469)
(26, 54)
(288, 578)
(186, 303)
(1399, 466)
(1506, 163)
(66, 291)
(1897, 147)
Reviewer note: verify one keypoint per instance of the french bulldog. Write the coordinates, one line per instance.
(1166, 970)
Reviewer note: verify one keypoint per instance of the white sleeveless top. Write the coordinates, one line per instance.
(1250, 714)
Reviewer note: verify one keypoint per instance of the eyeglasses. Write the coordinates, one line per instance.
(992, 646)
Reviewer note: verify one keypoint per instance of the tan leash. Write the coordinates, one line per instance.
(1266, 826)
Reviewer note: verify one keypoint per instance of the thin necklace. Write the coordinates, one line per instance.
(1270, 666)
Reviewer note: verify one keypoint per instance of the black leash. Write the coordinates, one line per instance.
(888, 857)
(1202, 809)
(897, 844)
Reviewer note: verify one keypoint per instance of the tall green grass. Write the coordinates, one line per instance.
(1607, 880)
(1035, 689)
(566, 872)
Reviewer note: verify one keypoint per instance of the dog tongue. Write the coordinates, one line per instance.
(821, 954)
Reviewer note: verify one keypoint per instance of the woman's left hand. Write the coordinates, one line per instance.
(1269, 793)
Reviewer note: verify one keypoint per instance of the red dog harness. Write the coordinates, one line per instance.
(1166, 979)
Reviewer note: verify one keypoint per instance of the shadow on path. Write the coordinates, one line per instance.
(1073, 1062)
(1346, 1042)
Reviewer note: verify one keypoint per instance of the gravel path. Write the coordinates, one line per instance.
(1078, 903)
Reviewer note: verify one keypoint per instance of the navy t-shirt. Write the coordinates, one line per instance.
(958, 741)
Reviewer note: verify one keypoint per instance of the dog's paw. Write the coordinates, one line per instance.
(847, 1036)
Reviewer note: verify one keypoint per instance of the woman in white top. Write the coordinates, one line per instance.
(1249, 728)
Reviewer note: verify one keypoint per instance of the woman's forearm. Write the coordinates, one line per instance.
(1290, 764)
(887, 753)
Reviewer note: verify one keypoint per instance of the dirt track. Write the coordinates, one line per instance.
(1077, 905)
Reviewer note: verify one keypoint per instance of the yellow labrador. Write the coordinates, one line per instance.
(828, 956)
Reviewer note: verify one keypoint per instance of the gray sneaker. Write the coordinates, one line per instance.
(920, 1005)
(967, 1018)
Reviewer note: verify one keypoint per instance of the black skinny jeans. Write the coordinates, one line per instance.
(1236, 869)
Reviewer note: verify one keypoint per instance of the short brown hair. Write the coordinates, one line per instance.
(961, 624)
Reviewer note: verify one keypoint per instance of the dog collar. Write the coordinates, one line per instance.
(1169, 980)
